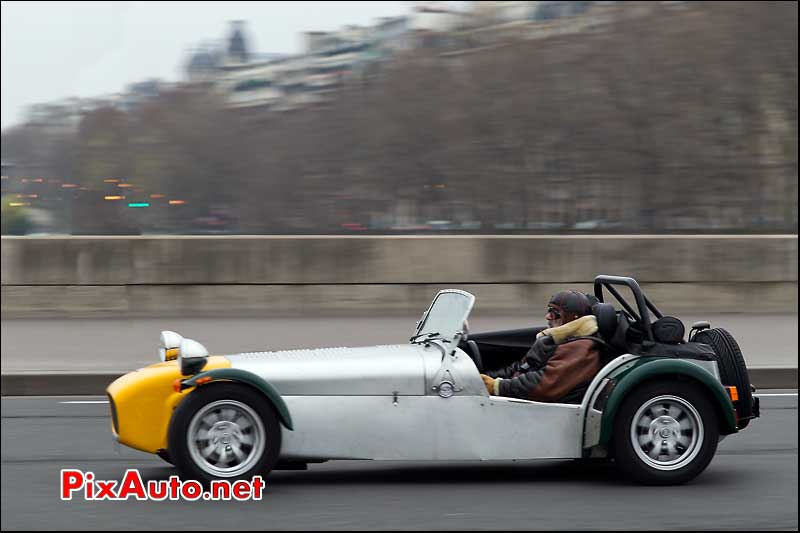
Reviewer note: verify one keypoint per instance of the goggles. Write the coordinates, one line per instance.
(553, 311)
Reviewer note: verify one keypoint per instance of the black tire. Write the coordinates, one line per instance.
(697, 432)
(243, 404)
(732, 369)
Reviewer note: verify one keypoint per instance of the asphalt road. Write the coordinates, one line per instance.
(117, 344)
(751, 484)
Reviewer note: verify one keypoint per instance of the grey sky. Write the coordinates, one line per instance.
(53, 50)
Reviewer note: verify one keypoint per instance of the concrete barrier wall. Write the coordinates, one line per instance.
(271, 275)
(369, 260)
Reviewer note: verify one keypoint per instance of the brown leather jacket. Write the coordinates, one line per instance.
(557, 364)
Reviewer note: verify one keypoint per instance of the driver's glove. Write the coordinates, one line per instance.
(492, 384)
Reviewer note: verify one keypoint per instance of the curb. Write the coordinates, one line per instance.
(95, 383)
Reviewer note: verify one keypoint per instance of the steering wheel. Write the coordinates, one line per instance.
(475, 354)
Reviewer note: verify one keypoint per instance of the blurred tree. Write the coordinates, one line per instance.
(652, 118)
(15, 219)
(103, 147)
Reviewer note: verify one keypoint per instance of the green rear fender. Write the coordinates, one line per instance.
(242, 376)
(644, 369)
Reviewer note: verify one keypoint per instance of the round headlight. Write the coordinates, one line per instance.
(169, 347)
(192, 358)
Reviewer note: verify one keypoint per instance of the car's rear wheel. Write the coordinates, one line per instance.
(732, 369)
(224, 431)
(665, 433)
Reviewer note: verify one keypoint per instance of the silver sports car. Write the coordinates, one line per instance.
(658, 406)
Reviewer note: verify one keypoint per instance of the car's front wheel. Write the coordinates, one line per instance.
(224, 431)
(665, 433)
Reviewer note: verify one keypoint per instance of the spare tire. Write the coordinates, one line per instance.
(732, 369)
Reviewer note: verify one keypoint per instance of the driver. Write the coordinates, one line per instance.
(562, 358)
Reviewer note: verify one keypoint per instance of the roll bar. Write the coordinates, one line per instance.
(642, 302)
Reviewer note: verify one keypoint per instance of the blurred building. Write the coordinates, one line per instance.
(329, 59)
(203, 63)
(281, 82)
(65, 115)
(238, 48)
(251, 85)
(438, 17)
(390, 36)
(495, 23)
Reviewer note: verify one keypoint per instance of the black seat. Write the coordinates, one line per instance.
(612, 327)
(606, 317)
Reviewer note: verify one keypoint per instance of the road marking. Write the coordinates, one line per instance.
(92, 401)
(782, 394)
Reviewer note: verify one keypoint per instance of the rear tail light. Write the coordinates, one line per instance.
(733, 392)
